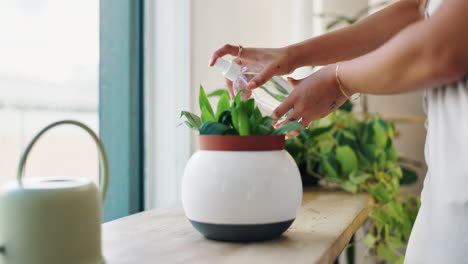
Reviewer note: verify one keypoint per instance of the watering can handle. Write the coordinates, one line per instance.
(104, 167)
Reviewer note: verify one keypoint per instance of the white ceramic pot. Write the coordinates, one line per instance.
(241, 188)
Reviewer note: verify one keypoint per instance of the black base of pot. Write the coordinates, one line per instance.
(242, 233)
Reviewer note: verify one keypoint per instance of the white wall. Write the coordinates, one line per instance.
(259, 23)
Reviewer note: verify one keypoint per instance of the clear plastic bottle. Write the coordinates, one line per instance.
(268, 96)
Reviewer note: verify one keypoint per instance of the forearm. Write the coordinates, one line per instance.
(426, 54)
(357, 39)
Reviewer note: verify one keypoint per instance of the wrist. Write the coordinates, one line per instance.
(345, 89)
(293, 53)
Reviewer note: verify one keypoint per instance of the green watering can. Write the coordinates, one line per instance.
(52, 220)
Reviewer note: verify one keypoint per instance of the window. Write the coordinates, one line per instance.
(48, 71)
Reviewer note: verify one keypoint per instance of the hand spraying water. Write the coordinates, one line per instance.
(268, 96)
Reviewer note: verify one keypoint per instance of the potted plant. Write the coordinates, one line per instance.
(241, 185)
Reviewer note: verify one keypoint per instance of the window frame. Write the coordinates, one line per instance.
(121, 104)
(167, 92)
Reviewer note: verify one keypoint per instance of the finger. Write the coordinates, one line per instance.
(229, 86)
(246, 94)
(294, 83)
(261, 78)
(293, 117)
(293, 133)
(237, 61)
(306, 121)
(225, 50)
(284, 107)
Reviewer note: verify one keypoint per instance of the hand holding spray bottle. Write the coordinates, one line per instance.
(268, 96)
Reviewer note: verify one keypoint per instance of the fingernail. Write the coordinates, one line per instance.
(211, 62)
(251, 85)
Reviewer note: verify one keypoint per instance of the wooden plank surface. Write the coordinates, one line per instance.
(324, 226)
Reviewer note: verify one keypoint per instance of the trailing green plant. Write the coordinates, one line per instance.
(379, 170)
(359, 155)
(236, 117)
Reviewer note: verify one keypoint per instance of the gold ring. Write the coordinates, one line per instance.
(239, 53)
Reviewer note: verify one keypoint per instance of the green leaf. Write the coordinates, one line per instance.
(278, 87)
(203, 102)
(288, 127)
(326, 146)
(188, 124)
(231, 131)
(347, 133)
(219, 92)
(278, 97)
(367, 152)
(380, 192)
(395, 210)
(192, 119)
(347, 158)
(395, 242)
(238, 99)
(370, 240)
(345, 137)
(319, 131)
(329, 165)
(380, 135)
(381, 157)
(206, 115)
(294, 148)
(223, 105)
(257, 115)
(392, 154)
(266, 126)
(359, 177)
(240, 121)
(248, 106)
(409, 176)
(260, 125)
(386, 253)
(225, 118)
(266, 121)
(400, 260)
(347, 106)
(367, 133)
(349, 187)
(213, 128)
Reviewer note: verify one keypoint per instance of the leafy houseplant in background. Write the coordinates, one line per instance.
(377, 171)
(228, 185)
(358, 155)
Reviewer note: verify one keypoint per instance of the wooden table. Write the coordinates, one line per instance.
(324, 226)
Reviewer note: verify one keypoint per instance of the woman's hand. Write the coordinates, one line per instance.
(314, 97)
(274, 62)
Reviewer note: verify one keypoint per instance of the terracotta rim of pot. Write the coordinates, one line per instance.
(241, 143)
